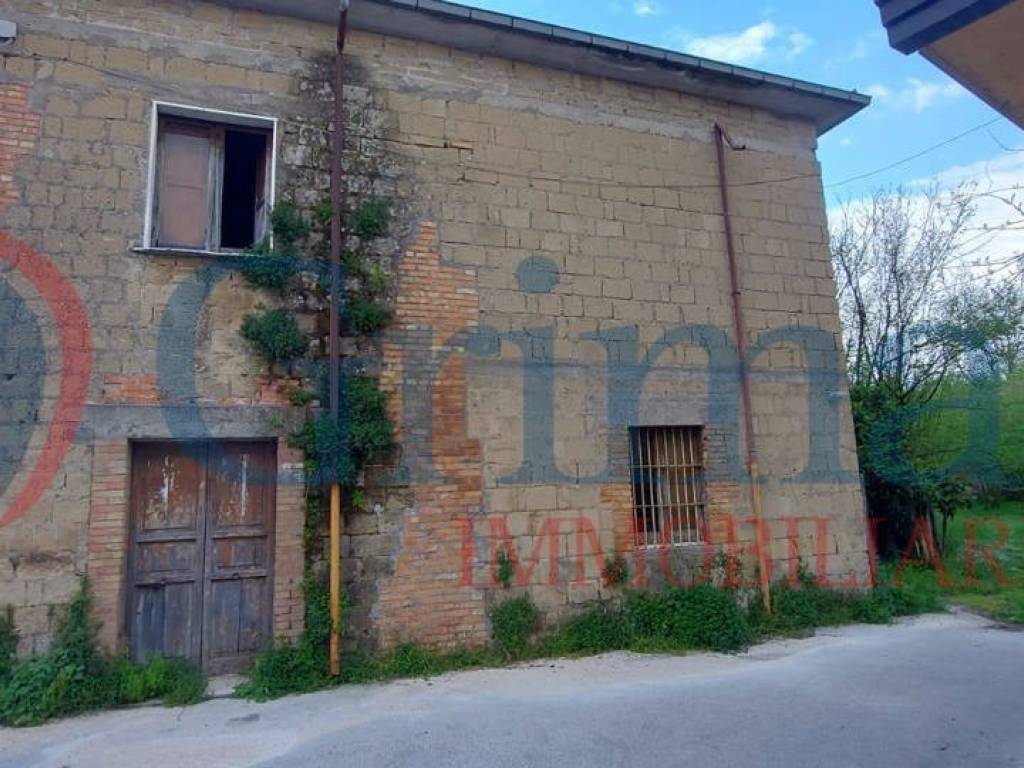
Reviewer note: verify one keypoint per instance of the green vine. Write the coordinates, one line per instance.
(370, 219)
(333, 452)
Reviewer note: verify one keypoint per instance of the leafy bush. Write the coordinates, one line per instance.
(176, 682)
(371, 219)
(8, 644)
(377, 281)
(367, 316)
(288, 226)
(268, 270)
(512, 623)
(339, 452)
(273, 267)
(598, 630)
(275, 334)
(698, 617)
(410, 660)
(75, 676)
(301, 667)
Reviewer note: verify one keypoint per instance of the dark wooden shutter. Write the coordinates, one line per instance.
(185, 185)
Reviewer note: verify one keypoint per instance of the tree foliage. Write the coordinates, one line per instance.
(916, 315)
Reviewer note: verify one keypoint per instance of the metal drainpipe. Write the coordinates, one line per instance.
(337, 234)
(740, 328)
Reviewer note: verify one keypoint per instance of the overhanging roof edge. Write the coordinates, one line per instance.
(488, 32)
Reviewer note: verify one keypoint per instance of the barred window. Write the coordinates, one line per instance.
(668, 484)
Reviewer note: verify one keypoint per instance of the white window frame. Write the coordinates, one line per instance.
(171, 109)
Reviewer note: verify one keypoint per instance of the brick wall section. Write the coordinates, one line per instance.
(288, 543)
(140, 390)
(425, 598)
(107, 538)
(19, 128)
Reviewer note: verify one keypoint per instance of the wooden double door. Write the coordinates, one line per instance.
(200, 565)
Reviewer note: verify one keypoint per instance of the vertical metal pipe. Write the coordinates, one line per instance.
(740, 328)
(334, 375)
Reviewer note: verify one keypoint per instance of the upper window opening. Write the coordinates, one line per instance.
(212, 184)
(667, 467)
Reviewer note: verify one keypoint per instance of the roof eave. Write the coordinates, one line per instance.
(517, 39)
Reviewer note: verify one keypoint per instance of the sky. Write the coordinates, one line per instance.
(834, 42)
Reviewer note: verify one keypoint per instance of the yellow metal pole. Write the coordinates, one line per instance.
(337, 234)
(335, 579)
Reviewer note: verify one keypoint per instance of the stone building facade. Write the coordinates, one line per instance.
(562, 309)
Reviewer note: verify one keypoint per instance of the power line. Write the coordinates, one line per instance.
(916, 155)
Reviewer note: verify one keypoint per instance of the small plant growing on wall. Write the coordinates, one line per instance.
(616, 571)
(275, 335)
(505, 569)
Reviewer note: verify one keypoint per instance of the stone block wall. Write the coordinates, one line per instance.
(559, 264)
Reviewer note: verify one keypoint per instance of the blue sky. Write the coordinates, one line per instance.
(835, 42)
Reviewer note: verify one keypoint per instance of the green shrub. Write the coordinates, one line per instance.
(175, 681)
(75, 676)
(275, 335)
(268, 270)
(366, 316)
(288, 226)
(371, 219)
(299, 667)
(377, 281)
(373, 435)
(512, 624)
(284, 670)
(410, 660)
(697, 617)
(301, 397)
(8, 644)
(598, 630)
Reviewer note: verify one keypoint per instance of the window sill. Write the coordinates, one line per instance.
(196, 253)
(672, 545)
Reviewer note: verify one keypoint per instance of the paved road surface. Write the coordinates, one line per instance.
(934, 691)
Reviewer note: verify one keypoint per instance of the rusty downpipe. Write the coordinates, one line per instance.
(337, 237)
(740, 328)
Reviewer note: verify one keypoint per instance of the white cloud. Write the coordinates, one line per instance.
(1001, 175)
(646, 8)
(743, 47)
(916, 95)
(878, 91)
(989, 241)
(798, 43)
(761, 41)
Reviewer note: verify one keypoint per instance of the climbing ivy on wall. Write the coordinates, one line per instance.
(364, 433)
(292, 265)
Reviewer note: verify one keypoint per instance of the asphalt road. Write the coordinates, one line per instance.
(934, 691)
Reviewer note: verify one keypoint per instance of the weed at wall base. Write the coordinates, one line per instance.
(703, 618)
(75, 676)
